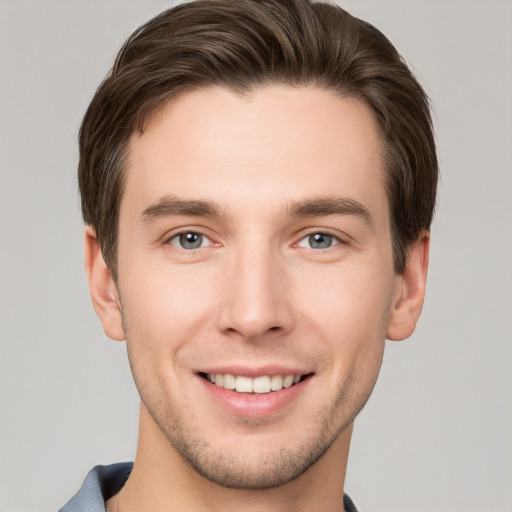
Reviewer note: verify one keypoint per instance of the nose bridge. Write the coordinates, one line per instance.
(255, 299)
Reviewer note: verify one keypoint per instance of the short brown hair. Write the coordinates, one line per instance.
(247, 44)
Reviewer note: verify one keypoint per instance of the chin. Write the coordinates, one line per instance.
(250, 460)
(258, 471)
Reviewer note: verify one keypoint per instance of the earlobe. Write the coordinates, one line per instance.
(105, 298)
(410, 291)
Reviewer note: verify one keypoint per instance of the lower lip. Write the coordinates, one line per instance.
(254, 405)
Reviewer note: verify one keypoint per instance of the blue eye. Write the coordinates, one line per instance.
(189, 240)
(318, 241)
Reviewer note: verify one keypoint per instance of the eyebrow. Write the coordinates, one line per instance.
(329, 206)
(169, 205)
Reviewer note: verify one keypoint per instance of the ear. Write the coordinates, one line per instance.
(410, 291)
(104, 295)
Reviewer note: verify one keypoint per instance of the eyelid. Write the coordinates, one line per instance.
(339, 238)
(335, 242)
(205, 242)
(166, 239)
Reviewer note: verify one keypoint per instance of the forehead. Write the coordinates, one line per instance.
(276, 144)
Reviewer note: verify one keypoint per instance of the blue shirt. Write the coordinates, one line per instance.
(102, 482)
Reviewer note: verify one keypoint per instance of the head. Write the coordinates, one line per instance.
(258, 179)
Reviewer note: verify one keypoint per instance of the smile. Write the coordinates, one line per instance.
(261, 384)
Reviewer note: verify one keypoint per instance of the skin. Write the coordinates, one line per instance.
(257, 297)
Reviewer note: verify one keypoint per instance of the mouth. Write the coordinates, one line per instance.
(258, 385)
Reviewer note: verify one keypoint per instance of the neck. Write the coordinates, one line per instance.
(161, 481)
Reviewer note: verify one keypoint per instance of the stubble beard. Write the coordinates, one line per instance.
(232, 470)
(188, 437)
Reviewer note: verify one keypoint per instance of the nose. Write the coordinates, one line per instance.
(256, 295)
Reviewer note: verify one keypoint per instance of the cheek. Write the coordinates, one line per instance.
(164, 314)
(165, 308)
(350, 299)
(349, 313)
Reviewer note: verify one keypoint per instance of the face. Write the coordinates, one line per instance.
(256, 277)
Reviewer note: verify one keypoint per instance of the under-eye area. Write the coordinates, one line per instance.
(261, 384)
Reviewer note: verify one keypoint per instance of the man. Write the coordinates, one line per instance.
(258, 181)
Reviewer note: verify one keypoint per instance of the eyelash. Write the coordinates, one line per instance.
(181, 234)
(335, 240)
(180, 238)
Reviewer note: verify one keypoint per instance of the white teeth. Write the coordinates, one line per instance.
(276, 383)
(287, 381)
(262, 384)
(243, 384)
(229, 381)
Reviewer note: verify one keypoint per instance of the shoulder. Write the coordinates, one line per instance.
(100, 484)
(348, 504)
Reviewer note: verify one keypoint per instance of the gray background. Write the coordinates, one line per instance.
(437, 433)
